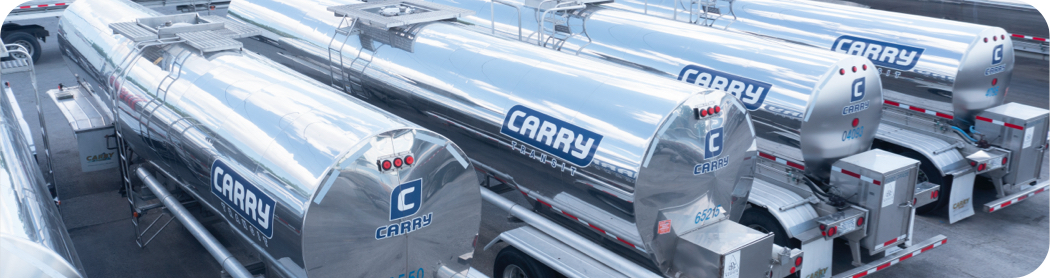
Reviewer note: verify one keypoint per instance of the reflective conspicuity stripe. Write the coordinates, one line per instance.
(1028, 37)
(1016, 200)
(41, 6)
(892, 241)
(855, 175)
(898, 260)
(918, 109)
(998, 122)
(782, 161)
(596, 228)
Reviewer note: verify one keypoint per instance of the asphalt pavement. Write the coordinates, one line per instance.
(1008, 243)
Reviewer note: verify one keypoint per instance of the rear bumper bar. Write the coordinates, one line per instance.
(1015, 198)
(894, 259)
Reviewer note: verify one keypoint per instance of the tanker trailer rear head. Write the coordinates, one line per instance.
(319, 183)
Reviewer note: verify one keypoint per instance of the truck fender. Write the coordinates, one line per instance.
(794, 213)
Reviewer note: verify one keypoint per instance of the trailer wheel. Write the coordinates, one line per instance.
(928, 173)
(25, 40)
(511, 263)
(760, 219)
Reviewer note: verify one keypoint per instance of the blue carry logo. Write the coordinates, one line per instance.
(858, 90)
(242, 196)
(406, 199)
(751, 92)
(997, 54)
(714, 143)
(564, 140)
(880, 53)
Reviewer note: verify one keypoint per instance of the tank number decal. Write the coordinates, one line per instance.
(708, 214)
(993, 91)
(405, 201)
(252, 204)
(891, 55)
(853, 133)
(751, 92)
(551, 135)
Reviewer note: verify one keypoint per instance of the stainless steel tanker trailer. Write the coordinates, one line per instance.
(817, 178)
(317, 183)
(634, 177)
(944, 85)
(33, 237)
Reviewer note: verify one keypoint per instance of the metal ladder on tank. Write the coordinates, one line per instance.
(124, 152)
(343, 32)
(25, 64)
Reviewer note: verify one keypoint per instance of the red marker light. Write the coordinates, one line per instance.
(409, 160)
(973, 163)
(842, 71)
(710, 110)
(860, 221)
(995, 81)
(398, 162)
(935, 194)
(832, 230)
(856, 122)
(865, 67)
(798, 261)
(981, 167)
(386, 164)
(985, 39)
(994, 38)
(854, 68)
(1004, 161)
(718, 109)
(703, 112)
(1002, 37)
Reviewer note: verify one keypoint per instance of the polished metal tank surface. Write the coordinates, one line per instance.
(802, 100)
(653, 156)
(33, 238)
(325, 183)
(939, 65)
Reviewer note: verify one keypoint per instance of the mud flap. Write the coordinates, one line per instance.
(818, 259)
(961, 198)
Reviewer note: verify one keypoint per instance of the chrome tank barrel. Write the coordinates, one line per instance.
(515, 108)
(33, 238)
(325, 183)
(804, 103)
(955, 68)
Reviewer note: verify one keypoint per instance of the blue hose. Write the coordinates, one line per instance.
(974, 130)
(964, 133)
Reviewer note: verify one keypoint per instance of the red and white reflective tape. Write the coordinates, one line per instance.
(41, 6)
(998, 122)
(1028, 37)
(782, 161)
(892, 241)
(901, 259)
(600, 230)
(923, 110)
(1016, 200)
(855, 175)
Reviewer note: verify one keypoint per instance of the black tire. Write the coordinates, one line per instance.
(760, 219)
(511, 263)
(27, 40)
(928, 172)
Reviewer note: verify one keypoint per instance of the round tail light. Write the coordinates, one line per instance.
(798, 261)
(973, 163)
(710, 110)
(981, 167)
(718, 109)
(409, 160)
(703, 112)
(832, 230)
(934, 194)
(398, 162)
(386, 164)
